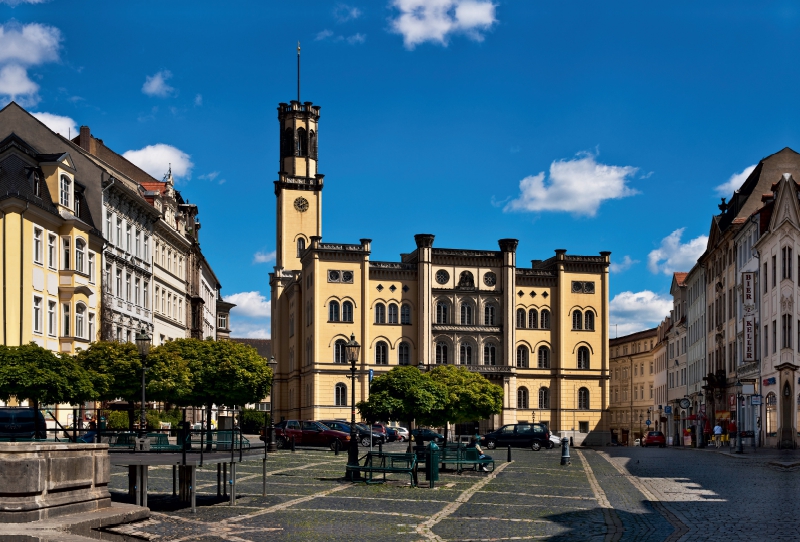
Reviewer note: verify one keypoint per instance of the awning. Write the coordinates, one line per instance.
(723, 415)
(692, 417)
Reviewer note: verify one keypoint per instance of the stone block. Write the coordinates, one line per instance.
(22, 476)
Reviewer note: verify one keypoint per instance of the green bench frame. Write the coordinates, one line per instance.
(462, 455)
(383, 463)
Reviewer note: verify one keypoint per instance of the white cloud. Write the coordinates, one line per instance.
(156, 160)
(344, 13)
(156, 85)
(356, 38)
(674, 256)
(198, 100)
(734, 182)
(60, 125)
(264, 257)
(249, 304)
(210, 176)
(436, 20)
(634, 311)
(624, 265)
(23, 46)
(250, 329)
(577, 186)
(352, 40)
(15, 3)
(324, 35)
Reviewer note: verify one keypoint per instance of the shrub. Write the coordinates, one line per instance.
(116, 420)
(252, 420)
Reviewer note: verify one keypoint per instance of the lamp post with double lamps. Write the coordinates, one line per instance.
(739, 449)
(272, 446)
(701, 417)
(351, 352)
(143, 345)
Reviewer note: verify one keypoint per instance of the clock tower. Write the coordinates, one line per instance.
(299, 186)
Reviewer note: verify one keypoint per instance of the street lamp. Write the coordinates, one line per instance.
(640, 428)
(351, 352)
(739, 449)
(701, 416)
(272, 446)
(143, 345)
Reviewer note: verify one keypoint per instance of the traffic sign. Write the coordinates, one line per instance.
(647, 423)
(370, 375)
(668, 409)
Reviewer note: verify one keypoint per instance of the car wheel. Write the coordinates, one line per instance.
(550, 444)
(365, 442)
(490, 444)
(536, 446)
(333, 444)
(281, 443)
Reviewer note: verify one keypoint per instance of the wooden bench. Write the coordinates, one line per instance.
(121, 440)
(385, 462)
(461, 455)
(219, 440)
(160, 442)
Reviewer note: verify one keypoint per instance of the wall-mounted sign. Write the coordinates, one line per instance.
(749, 338)
(667, 410)
(749, 292)
(755, 400)
(770, 381)
(748, 389)
(732, 401)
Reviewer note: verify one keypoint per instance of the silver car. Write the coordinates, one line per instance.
(402, 433)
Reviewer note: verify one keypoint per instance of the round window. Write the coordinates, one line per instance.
(442, 276)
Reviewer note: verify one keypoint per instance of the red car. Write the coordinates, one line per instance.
(654, 438)
(308, 433)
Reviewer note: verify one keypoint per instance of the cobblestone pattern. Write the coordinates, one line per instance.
(606, 495)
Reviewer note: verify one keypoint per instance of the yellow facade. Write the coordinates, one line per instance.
(540, 332)
(632, 386)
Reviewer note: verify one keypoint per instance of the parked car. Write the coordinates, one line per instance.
(637, 442)
(391, 433)
(554, 441)
(533, 435)
(654, 438)
(308, 433)
(402, 433)
(381, 430)
(20, 422)
(363, 431)
(427, 434)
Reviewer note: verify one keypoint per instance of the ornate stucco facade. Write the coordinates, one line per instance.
(540, 331)
(632, 371)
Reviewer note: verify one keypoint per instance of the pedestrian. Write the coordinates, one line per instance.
(481, 456)
(718, 435)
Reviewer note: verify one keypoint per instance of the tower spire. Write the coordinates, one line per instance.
(298, 72)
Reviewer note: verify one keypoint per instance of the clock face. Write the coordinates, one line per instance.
(685, 403)
(301, 204)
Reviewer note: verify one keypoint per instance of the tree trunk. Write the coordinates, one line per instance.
(36, 426)
(131, 416)
(209, 434)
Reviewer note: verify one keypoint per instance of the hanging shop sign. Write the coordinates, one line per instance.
(755, 400)
(732, 402)
(770, 381)
(749, 338)
(749, 292)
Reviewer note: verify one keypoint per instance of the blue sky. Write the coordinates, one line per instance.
(579, 125)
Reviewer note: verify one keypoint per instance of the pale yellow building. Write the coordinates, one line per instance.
(540, 331)
(632, 371)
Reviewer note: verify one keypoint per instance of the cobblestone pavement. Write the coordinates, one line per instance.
(605, 494)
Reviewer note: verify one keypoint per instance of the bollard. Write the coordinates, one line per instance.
(571, 443)
(292, 442)
(380, 447)
(336, 447)
(509, 454)
(565, 451)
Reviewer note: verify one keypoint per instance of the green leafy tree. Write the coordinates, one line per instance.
(41, 376)
(403, 394)
(469, 396)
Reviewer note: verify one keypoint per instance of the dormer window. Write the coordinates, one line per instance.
(77, 206)
(37, 184)
(66, 185)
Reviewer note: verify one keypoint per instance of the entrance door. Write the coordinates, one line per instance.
(787, 430)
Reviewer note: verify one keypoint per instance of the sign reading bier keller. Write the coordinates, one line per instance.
(749, 292)
(749, 320)
(749, 353)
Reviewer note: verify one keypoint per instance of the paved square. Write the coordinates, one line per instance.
(605, 494)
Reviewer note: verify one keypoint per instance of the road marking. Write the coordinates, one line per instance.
(425, 528)
(613, 523)
(287, 504)
(680, 527)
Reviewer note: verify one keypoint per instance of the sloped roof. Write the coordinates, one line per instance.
(262, 346)
(680, 278)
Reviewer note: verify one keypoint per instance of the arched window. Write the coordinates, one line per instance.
(577, 320)
(522, 397)
(347, 312)
(520, 318)
(333, 311)
(533, 319)
(589, 317)
(441, 352)
(338, 351)
(302, 142)
(522, 356)
(583, 399)
(312, 144)
(489, 315)
(381, 353)
(301, 246)
(392, 313)
(80, 312)
(80, 254)
(583, 358)
(288, 142)
(405, 313)
(489, 354)
(65, 190)
(771, 426)
(466, 354)
(340, 394)
(544, 358)
(545, 319)
(466, 313)
(380, 313)
(403, 354)
(441, 312)
(466, 280)
(544, 397)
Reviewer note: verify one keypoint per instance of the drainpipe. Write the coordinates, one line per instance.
(5, 320)
(21, 270)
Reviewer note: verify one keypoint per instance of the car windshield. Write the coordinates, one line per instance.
(655, 434)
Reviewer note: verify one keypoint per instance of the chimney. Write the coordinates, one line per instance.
(85, 140)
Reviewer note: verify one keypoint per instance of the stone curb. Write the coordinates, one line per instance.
(76, 528)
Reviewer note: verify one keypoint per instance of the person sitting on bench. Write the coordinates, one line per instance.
(485, 459)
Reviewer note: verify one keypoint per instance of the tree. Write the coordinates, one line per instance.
(403, 394)
(470, 396)
(41, 376)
